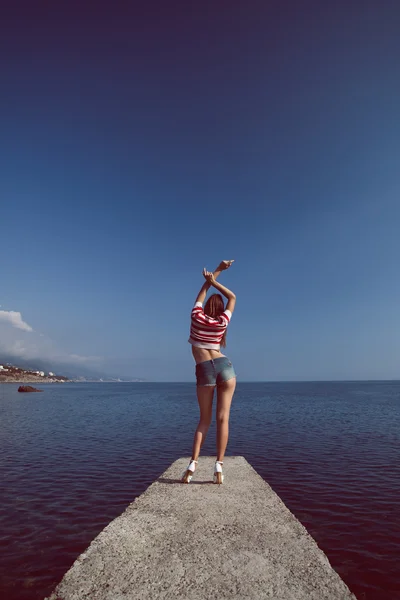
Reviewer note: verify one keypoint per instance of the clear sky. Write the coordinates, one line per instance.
(141, 143)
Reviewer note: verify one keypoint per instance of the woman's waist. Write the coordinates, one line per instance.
(204, 354)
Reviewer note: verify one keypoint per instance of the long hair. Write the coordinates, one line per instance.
(214, 307)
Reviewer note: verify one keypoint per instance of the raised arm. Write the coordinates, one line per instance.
(229, 295)
(223, 265)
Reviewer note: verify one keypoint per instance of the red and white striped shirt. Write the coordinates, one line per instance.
(205, 331)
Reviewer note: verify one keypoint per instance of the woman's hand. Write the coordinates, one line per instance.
(225, 264)
(208, 276)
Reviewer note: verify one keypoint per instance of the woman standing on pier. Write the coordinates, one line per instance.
(213, 369)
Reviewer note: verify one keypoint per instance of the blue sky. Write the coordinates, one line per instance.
(139, 145)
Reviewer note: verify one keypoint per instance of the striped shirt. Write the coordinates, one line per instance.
(207, 332)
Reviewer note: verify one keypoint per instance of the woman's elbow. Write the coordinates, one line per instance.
(233, 296)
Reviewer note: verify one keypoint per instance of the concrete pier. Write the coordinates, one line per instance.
(201, 541)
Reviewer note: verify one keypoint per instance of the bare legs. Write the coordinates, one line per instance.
(225, 393)
(205, 396)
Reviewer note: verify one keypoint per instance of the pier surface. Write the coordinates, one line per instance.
(201, 541)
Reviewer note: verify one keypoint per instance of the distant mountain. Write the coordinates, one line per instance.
(69, 370)
(25, 363)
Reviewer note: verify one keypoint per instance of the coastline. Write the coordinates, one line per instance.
(31, 379)
(38, 381)
(13, 374)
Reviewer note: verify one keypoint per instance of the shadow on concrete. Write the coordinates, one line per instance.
(193, 482)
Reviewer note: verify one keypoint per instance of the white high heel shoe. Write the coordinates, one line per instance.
(218, 476)
(188, 473)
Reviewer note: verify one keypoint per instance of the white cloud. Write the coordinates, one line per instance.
(15, 319)
(18, 339)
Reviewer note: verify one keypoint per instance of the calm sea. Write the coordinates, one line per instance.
(73, 458)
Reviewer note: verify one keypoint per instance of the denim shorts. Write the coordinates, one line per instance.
(214, 372)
